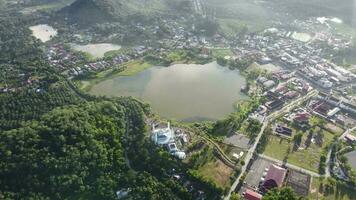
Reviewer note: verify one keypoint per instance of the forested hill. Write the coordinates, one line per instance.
(58, 143)
(77, 152)
(86, 12)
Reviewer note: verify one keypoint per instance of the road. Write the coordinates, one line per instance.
(314, 174)
(248, 158)
(269, 118)
(328, 157)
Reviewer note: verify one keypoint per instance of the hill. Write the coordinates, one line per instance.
(86, 12)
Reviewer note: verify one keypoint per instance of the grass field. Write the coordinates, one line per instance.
(282, 149)
(131, 68)
(339, 192)
(218, 172)
(134, 67)
(221, 53)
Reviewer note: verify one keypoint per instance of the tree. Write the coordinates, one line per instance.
(298, 139)
(281, 194)
(316, 121)
(235, 196)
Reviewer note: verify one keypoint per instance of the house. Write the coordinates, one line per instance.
(283, 131)
(272, 105)
(252, 195)
(302, 118)
(274, 177)
(350, 138)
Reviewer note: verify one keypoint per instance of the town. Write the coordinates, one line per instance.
(295, 126)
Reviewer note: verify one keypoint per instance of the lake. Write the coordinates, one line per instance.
(351, 157)
(186, 92)
(96, 50)
(43, 32)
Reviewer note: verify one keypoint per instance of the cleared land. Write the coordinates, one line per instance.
(307, 158)
(218, 172)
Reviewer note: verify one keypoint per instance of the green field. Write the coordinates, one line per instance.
(131, 68)
(221, 53)
(134, 67)
(339, 192)
(218, 172)
(281, 149)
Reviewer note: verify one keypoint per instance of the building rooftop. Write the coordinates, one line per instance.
(162, 136)
(252, 195)
(275, 177)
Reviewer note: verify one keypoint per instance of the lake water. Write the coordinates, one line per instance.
(352, 158)
(183, 92)
(43, 32)
(96, 50)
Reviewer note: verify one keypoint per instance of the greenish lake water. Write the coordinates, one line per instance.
(186, 92)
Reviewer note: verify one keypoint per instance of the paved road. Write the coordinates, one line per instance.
(271, 117)
(328, 157)
(314, 174)
(248, 158)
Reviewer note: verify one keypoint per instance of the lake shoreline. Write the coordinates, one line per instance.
(198, 91)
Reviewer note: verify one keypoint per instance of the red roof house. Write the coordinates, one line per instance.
(274, 177)
(302, 117)
(252, 195)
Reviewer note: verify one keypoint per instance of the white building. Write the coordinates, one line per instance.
(163, 136)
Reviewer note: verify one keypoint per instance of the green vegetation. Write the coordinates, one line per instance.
(235, 120)
(86, 12)
(17, 109)
(308, 157)
(134, 67)
(128, 69)
(330, 189)
(59, 143)
(281, 194)
(221, 53)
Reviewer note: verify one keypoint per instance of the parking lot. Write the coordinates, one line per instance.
(254, 175)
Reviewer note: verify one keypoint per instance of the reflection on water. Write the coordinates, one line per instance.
(184, 92)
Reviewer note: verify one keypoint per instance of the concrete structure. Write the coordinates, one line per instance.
(162, 136)
(252, 195)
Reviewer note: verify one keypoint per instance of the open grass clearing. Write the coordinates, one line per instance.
(131, 68)
(306, 157)
(339, 192)
(217, 171)
(221, 53)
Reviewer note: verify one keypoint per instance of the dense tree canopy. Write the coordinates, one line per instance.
(77, 152)
(281, 194)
